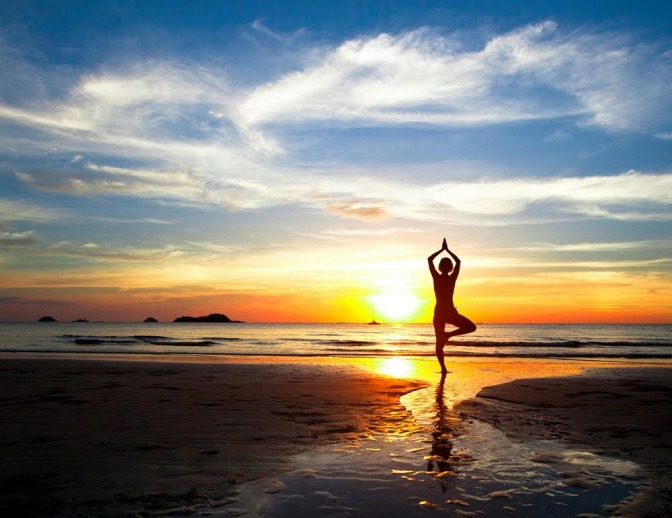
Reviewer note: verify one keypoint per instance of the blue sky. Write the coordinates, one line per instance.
(292, 160)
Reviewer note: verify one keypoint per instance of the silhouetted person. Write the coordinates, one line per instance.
(445, 311)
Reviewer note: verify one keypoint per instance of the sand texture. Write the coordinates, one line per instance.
(184, 437)
(118, 438)
(623, 413)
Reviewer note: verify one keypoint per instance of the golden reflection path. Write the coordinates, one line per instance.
(437, 462)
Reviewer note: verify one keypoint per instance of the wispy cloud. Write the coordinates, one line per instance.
(174, 116)
(535, 72)
(358, 209)
(186, 134)
(108, 252)
(124, 221)
(577, 195)
(338, 234)
(14, 239)
(616, 246)
(627, 196)
(19, 210)
(568, 265)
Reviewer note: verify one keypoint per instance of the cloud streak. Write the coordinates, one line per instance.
(422, 77)
(16, 239)
(107, 252)
(186, 134)
(632, 195)
(576, 195)
(622, 246)
(20, 210)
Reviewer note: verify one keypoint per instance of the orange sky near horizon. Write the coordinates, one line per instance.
(323, 286)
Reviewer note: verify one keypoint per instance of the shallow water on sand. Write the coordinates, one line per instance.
(464, 468)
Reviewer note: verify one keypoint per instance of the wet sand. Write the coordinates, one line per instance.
(624, 413)
(112, 437)
(118, 438)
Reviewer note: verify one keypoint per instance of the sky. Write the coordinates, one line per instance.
(298, 161)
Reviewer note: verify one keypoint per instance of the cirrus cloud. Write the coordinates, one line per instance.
(535, 72)
(185, 133)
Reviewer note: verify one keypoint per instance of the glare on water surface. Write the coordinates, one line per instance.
(396, 367)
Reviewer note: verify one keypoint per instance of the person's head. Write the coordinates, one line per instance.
(445, 265)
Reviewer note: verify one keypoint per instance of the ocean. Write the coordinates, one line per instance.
(642, 341)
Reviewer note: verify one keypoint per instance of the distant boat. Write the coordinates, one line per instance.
(374, 323)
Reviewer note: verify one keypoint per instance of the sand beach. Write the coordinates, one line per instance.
(624, 413)
(193, 436)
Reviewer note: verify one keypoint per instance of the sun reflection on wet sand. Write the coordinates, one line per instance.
(442, 462)
(397, 367)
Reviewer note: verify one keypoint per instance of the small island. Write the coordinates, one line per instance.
(80, 320)
(47, 319)
(150, 319)
(212, 317)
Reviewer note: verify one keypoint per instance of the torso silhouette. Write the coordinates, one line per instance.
(444, 287)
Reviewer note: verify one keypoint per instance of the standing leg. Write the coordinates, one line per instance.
(440, 334)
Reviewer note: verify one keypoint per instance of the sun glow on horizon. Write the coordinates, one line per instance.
(395, 303)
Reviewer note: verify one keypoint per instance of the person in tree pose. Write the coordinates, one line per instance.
(445, 311)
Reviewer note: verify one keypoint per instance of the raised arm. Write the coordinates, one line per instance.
(430, 259)
(456, 269)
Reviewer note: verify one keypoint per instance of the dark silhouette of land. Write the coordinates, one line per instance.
(213, 317)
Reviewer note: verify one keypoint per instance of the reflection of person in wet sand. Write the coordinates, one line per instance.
(445, 311)
(439, 459)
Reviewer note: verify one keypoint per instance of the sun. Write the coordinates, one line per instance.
(395, 304)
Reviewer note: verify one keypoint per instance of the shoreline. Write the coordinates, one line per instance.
(108, 437)
(623, 413)
(119, 434)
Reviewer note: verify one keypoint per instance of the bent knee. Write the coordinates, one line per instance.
(470, 327)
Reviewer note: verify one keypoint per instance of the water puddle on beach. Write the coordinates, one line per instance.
(454, 467)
